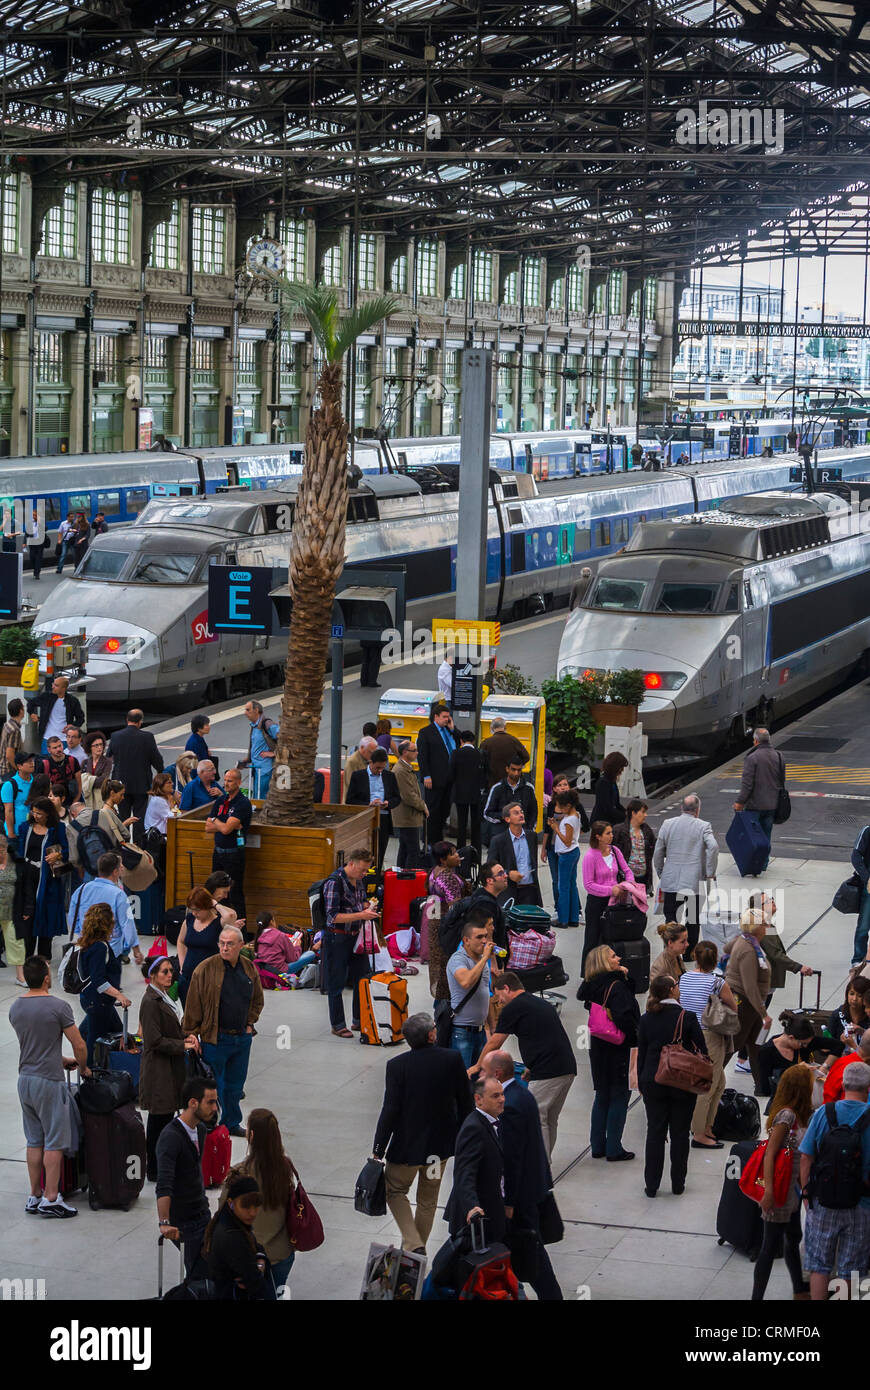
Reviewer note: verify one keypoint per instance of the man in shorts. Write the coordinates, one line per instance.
(836, 1237)
(51, 1126)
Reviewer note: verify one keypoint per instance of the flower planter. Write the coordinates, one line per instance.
(618, 716)
(281, 863)
(11, 676)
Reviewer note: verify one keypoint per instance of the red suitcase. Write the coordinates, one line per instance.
(401, 886)
(217, 1154)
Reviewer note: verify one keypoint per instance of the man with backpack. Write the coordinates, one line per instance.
(262, 741)
(106, 888)
(14, 793)
(835, 1165)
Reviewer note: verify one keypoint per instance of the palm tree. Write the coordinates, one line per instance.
(316, 549)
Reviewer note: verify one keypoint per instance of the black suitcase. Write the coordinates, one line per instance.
(550, 974)
(634, 955)
(115, 1153)
(621, 923)
(738, 1117)
(738, 1220)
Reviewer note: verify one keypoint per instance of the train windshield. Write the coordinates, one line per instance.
(687, 598)
(619, 593)
(163, 569)
(102, 564)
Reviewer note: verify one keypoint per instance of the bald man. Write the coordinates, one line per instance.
(53, 709)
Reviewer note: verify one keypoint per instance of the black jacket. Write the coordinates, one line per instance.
(136, 758)
(478, 1168)
(609, 1063)
(527, 1177)
(433, 758)
(622, 840)
(608, 806)
(231, 1256)
(358, 792)
(179, 1173)
(466, 774)
(502, 794)
(45, 702)
(860, 855)
(501, 851)
(654, 1031)
(426, 1099)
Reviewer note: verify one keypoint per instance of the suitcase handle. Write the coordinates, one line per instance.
(818, 975)
(478, 1236)
(160, 1240)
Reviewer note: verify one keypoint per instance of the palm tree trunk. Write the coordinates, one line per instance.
(316, 562)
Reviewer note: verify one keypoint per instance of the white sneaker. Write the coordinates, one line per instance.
(31, 1206)
(742, 1066)
(57, 1208)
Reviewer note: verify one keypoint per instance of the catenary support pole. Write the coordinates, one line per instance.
(473, 487)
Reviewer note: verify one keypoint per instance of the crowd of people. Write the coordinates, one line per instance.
(456, 1092)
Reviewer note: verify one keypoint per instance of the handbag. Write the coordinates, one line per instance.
(751, 1182)
(847, 898)
(370, 1192)
(718, 1018)
(601, 1025)
(783, 800)
(137, 868)
(444, 1025)
(304, 1226)
(684, 1068)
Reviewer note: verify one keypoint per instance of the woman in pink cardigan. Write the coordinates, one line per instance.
(602, 867)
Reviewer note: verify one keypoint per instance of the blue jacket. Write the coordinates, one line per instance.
(195, 794)
(49, 918)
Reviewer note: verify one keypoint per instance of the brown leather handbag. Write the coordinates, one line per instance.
(684, 1068)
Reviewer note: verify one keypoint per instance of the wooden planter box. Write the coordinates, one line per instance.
(618, 716)
(11, 675)
(280, 869)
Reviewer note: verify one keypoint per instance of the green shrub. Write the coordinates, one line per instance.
(17, 645)
(626, 687)
(570, 725)
(511, 681)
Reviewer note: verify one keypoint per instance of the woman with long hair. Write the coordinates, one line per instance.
(668, 1109)
(383, 735)
(96, 767)
(236, 1262)
(101, 971)
(267, 1163)
(38, 911)
(789, 1116)
(601, 869)
(605, 983)
(636, 840)
(445, 884)
(748, 975)
(162, 800)
(185, 770)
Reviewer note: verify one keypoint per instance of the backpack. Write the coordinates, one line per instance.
(93, 841)
(838, 1172)
(450, 927)
(317, 902)
(16, 793)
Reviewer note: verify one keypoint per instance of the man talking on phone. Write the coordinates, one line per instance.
(347, 909)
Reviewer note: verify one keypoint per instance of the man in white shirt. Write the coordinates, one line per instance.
(73, 744)
(445, 677)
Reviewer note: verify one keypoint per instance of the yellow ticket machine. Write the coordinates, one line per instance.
(408, 711)
(525, 718)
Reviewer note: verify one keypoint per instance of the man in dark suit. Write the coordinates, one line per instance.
(465, 773)
(136, 756)
(478, 1165)
(375, 785)
(527, 1176)
(435, 743)
(517, 849)
(426, 1098)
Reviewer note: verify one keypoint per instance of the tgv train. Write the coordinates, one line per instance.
(140, 592)
(750, 438)
(735, 616)
(120, 485)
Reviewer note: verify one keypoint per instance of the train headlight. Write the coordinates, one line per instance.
(664, 680)
(113, 644)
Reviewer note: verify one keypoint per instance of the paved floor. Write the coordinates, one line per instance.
(327, 1093)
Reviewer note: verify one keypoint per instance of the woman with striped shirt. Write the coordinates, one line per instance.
(696, 986)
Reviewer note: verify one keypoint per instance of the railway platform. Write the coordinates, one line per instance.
(618, 1245)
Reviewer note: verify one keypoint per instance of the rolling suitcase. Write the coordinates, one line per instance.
(634, 955)
(621, 923)
(115, 1148)
(549, 974)
(738, 1220)
(120, 1052)
(383, 1009)
(401, 887)
(748, 843)
(524, 917)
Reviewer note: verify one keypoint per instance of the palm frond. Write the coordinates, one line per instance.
(360, 320)
(319, 304)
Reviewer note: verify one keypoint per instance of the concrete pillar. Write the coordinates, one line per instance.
(79, 395)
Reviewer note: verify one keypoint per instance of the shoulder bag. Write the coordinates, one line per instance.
(601, 1025)
(444, 1026)
(783, 800)
(684, 1068)
(304, 1226)
(751, 1181)
(718, 1018)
